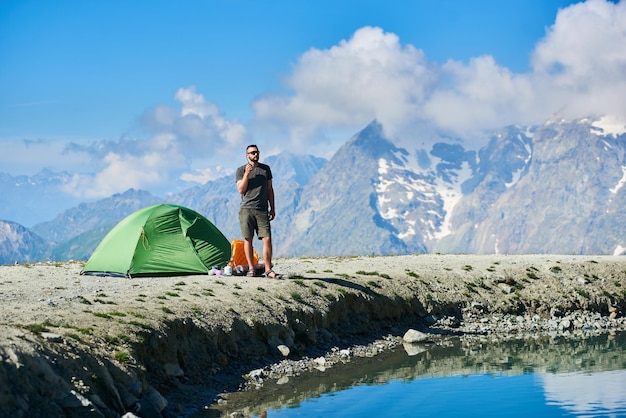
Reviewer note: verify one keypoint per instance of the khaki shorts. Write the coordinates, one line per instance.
(252, 220)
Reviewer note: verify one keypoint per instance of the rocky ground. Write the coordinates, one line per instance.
(75, 345)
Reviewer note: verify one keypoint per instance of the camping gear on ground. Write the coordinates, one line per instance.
(258, 271)
(238, 255)
(239, 264)
(160, 240)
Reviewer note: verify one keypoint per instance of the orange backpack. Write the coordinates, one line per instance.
(238, 257)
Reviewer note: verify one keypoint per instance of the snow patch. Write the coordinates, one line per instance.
(609, 125)
(621, 182)
(451, 195)
(619, 250)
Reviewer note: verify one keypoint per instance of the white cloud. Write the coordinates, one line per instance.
(27, 157)
(479, 95)
(581, 62)
(578, 69)
(203, 121)
(203, 175)
(369, 76)
(122, 172)
(183, 142)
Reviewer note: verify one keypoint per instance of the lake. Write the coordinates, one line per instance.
(580, 375)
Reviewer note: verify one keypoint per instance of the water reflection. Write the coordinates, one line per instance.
(591, 394)
(543, 376)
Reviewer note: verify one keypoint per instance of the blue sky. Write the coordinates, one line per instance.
(160, 95)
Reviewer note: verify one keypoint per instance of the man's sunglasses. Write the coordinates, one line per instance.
(254, 152)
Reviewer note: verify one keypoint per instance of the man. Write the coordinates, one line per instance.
(254, 183)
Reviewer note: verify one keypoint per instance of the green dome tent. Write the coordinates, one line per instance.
(160, 240)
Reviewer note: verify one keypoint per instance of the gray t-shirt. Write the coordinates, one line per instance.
(256, 195)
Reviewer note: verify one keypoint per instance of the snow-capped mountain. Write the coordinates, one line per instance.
(19, 245)
(554, 188)
(29, 200)
(566, 194)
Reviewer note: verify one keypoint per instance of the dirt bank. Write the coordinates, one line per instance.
(75, 345)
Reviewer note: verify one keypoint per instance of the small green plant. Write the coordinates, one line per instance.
(37, 328)
(330, 297)
(374, 284)
(181, 283)
(122, 356)
(467, 267)
(111, 339)
(73, 336)
(167, 310)
(140, 325)
(102, 315)
(86, 331)
(260, 289)
(368, 273)
(412, 274)
(328, 271)
(172, 294)
(296, 296)
(311, 271)
(299, 282)
(208, 292)
(320, 284)
(104, 302)
(582, 292)
(84, 300)
(555, 269)
(117, 313)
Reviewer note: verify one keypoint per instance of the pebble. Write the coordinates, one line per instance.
(415, 342)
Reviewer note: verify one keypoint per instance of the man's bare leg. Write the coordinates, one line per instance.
(267, 253)
(248, 249)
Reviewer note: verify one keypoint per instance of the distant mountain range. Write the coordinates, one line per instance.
(554, 188)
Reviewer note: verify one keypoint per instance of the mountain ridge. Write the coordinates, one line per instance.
(551, 188)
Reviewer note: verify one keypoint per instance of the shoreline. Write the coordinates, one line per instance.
(287, 383)
(117, 344)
